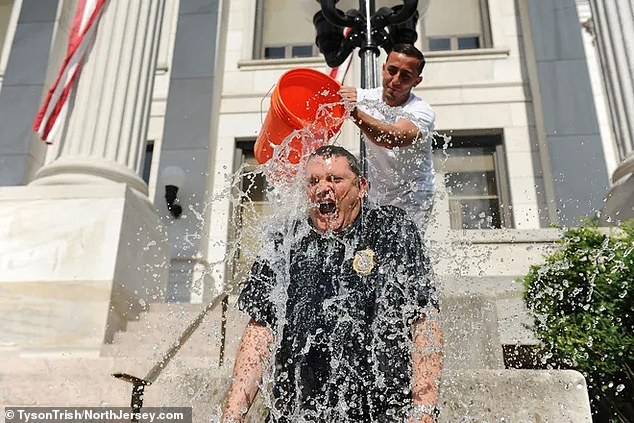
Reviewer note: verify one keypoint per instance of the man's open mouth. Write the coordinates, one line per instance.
(328, 207)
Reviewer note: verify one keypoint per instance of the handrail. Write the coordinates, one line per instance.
(139, 384)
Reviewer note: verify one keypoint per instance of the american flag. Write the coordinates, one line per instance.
(53, 111)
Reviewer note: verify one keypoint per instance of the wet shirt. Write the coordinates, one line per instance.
(402, 176)
(341, 307)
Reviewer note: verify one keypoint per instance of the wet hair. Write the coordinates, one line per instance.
(410, 51)
(327, 151)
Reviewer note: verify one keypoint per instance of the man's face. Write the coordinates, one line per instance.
(334, 191)
(400, 75)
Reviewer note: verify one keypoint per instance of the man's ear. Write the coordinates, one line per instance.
(418, 80)
(363, 186)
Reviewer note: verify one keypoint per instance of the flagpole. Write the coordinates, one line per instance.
(368, 54)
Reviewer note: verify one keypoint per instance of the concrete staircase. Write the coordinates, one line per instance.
(480, 316)
(193, 378)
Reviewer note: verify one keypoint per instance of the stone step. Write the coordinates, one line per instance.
(61, 382)
(174, 308)
(512, 396)
(208, 332)
(175, 316)
(495, 286)
(515, 324)
(476, 395)
(89, 382)
(204, 341)
(470, 329)
(159, 328)
(169, 324)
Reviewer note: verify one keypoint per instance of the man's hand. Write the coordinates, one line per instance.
(348, 95)
(399, 134)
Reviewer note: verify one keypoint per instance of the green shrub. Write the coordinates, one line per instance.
(581, 301)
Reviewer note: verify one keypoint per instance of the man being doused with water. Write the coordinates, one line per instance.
(343, 307)
(397, 127)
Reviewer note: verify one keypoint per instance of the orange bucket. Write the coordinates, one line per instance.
(295, 104)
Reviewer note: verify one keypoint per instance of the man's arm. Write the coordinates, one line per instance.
(247, 371)
(427, 362)
(402, 133)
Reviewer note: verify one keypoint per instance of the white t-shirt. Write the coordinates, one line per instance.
(402, 176)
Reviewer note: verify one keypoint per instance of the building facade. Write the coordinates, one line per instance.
(518, 87)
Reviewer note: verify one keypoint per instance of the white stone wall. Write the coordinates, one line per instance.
(469, 90)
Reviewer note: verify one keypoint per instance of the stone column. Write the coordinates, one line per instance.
(83, 248)
(20, 153)
(614, 27)
(105, 131)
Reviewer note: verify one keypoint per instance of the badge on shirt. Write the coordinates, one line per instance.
(363, 262)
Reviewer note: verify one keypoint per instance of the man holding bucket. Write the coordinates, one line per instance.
(397, 127)
(345, 309)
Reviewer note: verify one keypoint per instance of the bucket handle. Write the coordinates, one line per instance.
(262, 101)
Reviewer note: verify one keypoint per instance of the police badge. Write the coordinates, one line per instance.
(363, 262)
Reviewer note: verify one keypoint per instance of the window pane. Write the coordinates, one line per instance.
(475, 214)
(465, 43)
(290, 23)
(302, 51)
(254, 186)
(453, 17)
(436, 44)
(287, 22)
(471, 184)
(274, 52)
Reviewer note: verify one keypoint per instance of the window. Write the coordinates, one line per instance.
(147, 161)
(456, 25)
(439, 43)
(282, 52)
(5, 16)
(249, 206)
(284, 28)
(473, 170)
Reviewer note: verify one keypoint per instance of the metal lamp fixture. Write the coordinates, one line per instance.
(173, 177)
(369, 30)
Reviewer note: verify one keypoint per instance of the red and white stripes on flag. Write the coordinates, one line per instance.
(339, 73)
(53, 111)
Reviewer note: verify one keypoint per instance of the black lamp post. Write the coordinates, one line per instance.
(370, 30)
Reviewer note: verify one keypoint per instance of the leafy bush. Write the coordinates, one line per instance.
(581, 301)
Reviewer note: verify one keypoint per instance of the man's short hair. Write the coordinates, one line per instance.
(410, 51)
(327, 151)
